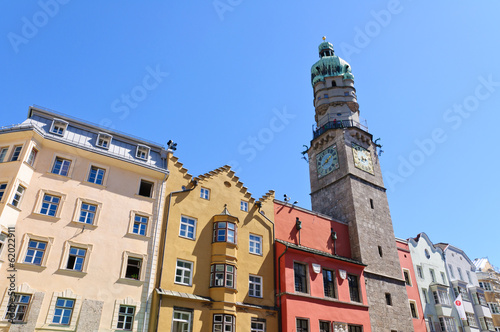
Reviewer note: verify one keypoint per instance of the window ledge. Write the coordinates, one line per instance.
(72, 273)
(30, 166)
(58, 176)
(137, 236)
(151, 199)
(45, 217)
(82, 224)
(253, 253)
(132, 282)
(14, 207)
(95, 185)
(29, 266)
(180, 284)
(56, 327)
(188, 238)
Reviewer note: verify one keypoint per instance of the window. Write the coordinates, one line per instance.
(468, 277)
(324, 326)
(181, 321)
(451, 270)
(224, 323)
(443, 277)
(441, 297)
(18, 196)
(87, 213)
(140, 225)
(16, 152)
(433, 275)
(63, 311)
(205, 193)
(334, 83)
(471, 320)
(255, 286)
(495, 309)
(187, 228)
(353, 287)
(50, 204)
(346, 93)
(125, 318)
(355, 328)
(58, 127)
(32, 157)
(447, 324)
(133, 270)
(255, 244)
(483, 285)
(146, 188)
(413, 309)
(76, 258)
(427, 254)
(18, 307)
(222, 275)
(142, 152)
(461, 291)
(35, 252)
(489, 324)
(406, 275)
(96, 175)
(61, 166)
(380, 251)
(329, 283)
(420, 272)
(224, 232)
(183, 272)
(482, 322)
(3, 153)
(460, 273)
(481, 299)
(302, 325)
(244, 206)
(3, 187)
(388, 299)
(300, 274)
(258, 325)
(371, 203)
(103, 140)
(426, 297)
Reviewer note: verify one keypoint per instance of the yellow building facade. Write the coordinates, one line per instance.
(217, 270)
(79, 215)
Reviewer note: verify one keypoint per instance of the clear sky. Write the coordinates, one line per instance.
(229, 81)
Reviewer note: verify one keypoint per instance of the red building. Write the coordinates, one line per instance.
(415, 304)
(320, 287)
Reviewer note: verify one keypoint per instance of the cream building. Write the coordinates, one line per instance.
(79, 210)
(489, 280)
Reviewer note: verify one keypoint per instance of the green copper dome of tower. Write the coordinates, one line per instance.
(329, 65)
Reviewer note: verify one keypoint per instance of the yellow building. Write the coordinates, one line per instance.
(489, 280)
(79, 209)
(217, 270)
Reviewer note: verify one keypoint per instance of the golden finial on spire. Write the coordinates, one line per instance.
(324, 38)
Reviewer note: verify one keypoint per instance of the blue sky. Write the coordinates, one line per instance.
(229, 81)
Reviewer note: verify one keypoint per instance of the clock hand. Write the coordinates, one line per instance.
(327, 160)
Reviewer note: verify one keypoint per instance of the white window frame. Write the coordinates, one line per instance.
(142, 272)
(416, 309)
(3, 190)
(183, 271)
(224, 323)
(98, 168)
(31, 158)
(258, 281)
(105, 138)
(18, 196)
(181, 320)
(471, 319)
(66, 253)
(63, 125)
(187, 227)
(3, 153)
(23, 250)
(251, 242)
(63, 158)
(494, 307)
(40, 201)
(67, 294)
(409, 277)
(420, 272)
(433, 275)
(142, 152)
(129, 302)
(261, 322)
(205, 193)
(16, 154)
(125, 315)
(244, 206)
(140, 214)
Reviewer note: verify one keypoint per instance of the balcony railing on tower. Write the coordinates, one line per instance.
(336, 124)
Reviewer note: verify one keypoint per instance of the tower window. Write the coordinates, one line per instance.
(388, 299)
(334, 83)
(371, 203)
(380, 250)
(326, 96)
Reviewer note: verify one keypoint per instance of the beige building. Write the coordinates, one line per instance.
(79, 209)
(489, 280)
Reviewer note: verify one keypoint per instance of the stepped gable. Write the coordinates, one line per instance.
(176, 163)
(226, 170)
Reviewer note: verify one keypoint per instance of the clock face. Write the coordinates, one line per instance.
(327, 161)
(362, 158)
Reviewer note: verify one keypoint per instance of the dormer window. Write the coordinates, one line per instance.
(142, 152)
(58, 127)
(104, 140)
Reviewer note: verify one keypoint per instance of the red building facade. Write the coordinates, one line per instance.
(320, 287)
(408, 272)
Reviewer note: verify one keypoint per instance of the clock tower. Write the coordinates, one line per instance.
(346, 184)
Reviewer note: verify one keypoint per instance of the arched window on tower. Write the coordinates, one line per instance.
(334, 83)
